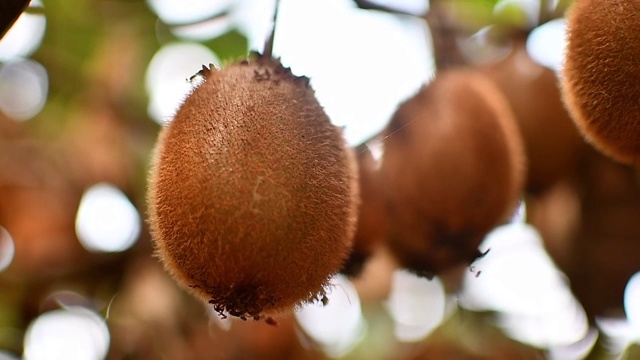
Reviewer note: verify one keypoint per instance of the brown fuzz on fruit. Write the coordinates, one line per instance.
(453, 168)
(372, 217)
(552, 141)
(601, 76)
(253, 192)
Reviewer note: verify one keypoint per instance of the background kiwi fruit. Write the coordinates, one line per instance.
(253, 192)
(453, 168)
(551, 140)
(601, 75)
(372, 217)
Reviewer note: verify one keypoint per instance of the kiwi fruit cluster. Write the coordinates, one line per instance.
(253, 193)
(601, 75)
(453, 168)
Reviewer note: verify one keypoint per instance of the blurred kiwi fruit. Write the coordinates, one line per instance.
(372, 217)
(253, 192)
(601, 75)
(453, 168)
(552, 142)
(603, 251)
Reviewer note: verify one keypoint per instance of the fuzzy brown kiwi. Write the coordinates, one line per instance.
(453, 168)
(253, 192)
(601, 75)
(552, 141)
(372, 217)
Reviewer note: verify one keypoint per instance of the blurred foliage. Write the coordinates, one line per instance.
(480, 13)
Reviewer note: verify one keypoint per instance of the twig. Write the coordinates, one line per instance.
(446, 51)
(368, 5)
(268, 45)
(215, 16)
(10, 10)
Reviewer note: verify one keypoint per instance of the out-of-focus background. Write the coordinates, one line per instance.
(86, 85)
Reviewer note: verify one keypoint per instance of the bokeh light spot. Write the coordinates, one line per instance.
(339, 325)
(416, 304)
(520, 281)
(520, 214)
(409, 6)
(8, 356)
(7, 249)
(66, 298)
(618, 332)
(107, 221)
(203, 31)
(632, 301)
(517, 275)
(24, 85)
(546, 44)
(576, 351)
(74, 333)
(167, 77)
(254, 19)
(175, 12)
(361, 66)
(24, 37)
(565, 326)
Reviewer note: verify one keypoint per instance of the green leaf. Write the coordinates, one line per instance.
(229, 46)
(474, 14)
(511, 14)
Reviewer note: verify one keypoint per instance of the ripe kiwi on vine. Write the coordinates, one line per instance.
(601, 75)
(452, 169)
(551, 140)
(252, 192)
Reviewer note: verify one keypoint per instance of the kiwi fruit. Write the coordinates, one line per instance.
(372, 217)
(452, 169)
(603, 250)
(252, 192)
(601, 75)
(552, 142)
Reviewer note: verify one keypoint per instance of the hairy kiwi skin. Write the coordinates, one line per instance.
(453, 168)
(601, 75)
(253, 193)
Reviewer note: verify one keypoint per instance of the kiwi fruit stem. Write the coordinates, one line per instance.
(268, 45)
